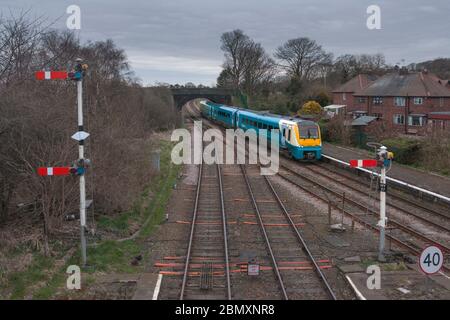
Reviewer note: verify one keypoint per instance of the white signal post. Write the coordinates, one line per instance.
(80, 136)
(383, 159)
(82, 178)
(382, 222)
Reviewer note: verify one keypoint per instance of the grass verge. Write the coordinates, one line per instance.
(108, 256)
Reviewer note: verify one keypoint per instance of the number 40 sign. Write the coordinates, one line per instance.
(431, 260)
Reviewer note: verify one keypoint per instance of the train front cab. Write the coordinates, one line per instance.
(309, 140)
(301, 139)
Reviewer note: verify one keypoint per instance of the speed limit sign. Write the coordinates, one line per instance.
(431, 260)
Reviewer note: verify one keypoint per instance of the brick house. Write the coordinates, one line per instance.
(403, 100)
(343, 95)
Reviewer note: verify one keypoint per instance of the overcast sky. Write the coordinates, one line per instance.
(178, 41)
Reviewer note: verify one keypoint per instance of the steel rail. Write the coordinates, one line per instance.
(355, 203)
(393, 195)
(266, 238)
(303, 242)
(358, 219)
(191, 236)
(225, 233)
(434, 194)
(389, 203)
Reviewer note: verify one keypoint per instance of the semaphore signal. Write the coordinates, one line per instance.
(367, 163)
(53, 171)
(383, 160)
(80, 167)
(51, 75)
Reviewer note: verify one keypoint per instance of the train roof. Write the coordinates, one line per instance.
(228, 108)
(276, 116)
(259, 113)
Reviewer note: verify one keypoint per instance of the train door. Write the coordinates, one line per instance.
(283, 134)
(235, 121)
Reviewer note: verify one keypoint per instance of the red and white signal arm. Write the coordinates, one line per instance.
(51, 75)
(367, 163)
(431, 260)
(53, 171)
(253, 269)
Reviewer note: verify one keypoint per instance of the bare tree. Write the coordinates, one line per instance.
(246, 65)
(259, 68)
(234, 45)
(349, 65)
(38, 118)
(225, 79)
(302, 57)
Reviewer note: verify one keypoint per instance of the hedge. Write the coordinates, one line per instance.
(405, 150)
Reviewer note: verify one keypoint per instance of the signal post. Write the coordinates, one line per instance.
(383, 161)
(81, 164)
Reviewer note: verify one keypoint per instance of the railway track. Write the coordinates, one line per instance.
(431, 216)
(297, 273)
(332, 196)
(207, 268)
(286, 246)
(406, 237)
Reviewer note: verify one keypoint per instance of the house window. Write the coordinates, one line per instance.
(377, 100)
(417, 121)
(344, 96)
(399, 119)
(361, 100)
(418, 100)
(378, 115)
(358, 114)
(400, 101)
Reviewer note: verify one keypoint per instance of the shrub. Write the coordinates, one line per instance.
(310, 108)
(406, 151)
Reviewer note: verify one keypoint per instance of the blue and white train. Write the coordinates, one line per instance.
(300, 138)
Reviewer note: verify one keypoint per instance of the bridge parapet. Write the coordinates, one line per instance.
(182, 95)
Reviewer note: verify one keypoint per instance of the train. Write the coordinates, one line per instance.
(300, 138)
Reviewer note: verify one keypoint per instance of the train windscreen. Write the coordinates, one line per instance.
(309, 131)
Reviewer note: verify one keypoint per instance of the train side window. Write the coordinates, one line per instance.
(284, 132)
(289, 135)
